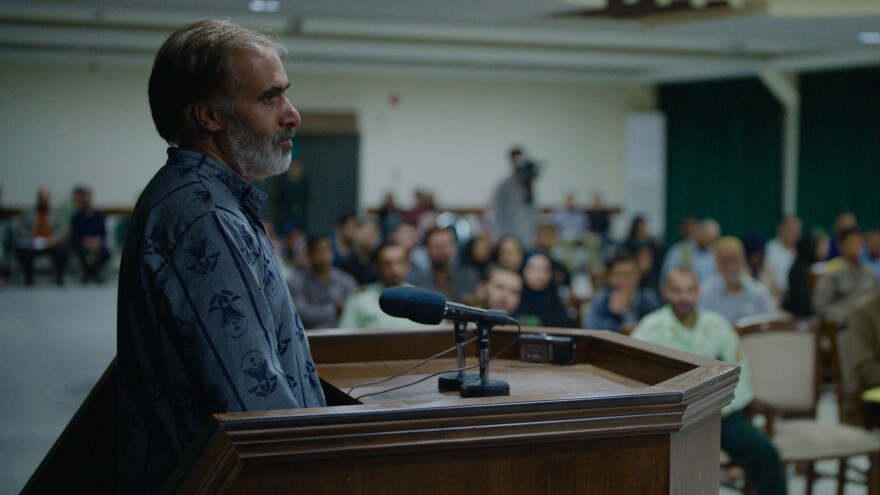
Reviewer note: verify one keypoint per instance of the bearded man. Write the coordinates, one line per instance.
(206, 323)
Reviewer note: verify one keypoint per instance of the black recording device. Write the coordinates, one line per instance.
(526, 168)
(545, 348)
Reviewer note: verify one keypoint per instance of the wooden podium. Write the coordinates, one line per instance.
(626, 417)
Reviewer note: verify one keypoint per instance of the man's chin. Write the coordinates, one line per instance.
(683, 311)
(276, 169)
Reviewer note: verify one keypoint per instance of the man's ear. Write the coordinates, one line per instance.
(209, 116)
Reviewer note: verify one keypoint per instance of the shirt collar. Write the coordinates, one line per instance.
(251, 198)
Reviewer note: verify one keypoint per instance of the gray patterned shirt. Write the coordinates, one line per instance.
(205, 321)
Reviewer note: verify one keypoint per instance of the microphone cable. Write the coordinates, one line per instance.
(399, 373)
(420, 380)
(435, 356)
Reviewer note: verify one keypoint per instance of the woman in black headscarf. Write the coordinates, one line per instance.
(797, 300)
(540, 304)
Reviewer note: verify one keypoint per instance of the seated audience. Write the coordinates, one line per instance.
(780, 254)
(695, 252)
(6, 239)
(389, 215)
(509, 253)
(406, 236)
(455, 282)
(319, 292)
(42, 232)
(423, 203)
(477, 253)
(344, 233)
(649, 269)
(871, 256)
(540, 304)
(545, 240)
(797, 299)
(754, 244)
(734, 293)
(572, 223)
(599, 216)
(291, 249)
(358, 264)
(863, 345)
(623, 303)
(682, 326)
(838, 288)
(500, 288)
(639, 236)
(843, 221)
(645, 249)
(88, 237)
(362, 307)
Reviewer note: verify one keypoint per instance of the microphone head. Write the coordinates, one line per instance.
(426, 307)
(420, 306)
(392, 300)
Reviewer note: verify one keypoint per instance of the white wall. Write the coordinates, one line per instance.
(62, 124)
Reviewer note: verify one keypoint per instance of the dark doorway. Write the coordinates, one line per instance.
(331, 166)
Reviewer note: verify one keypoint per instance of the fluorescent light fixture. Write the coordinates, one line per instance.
(870, 38)
(264, 5)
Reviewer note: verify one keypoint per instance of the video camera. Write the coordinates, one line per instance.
(526, 168)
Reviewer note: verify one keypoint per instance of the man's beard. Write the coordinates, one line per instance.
(683, 311)
(254, 156)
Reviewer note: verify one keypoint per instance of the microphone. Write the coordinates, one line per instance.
(430, 308)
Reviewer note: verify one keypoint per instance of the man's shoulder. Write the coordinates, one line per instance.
(713, 285)
(601, 298)
(466, 273)
(756, 287)
(869, 303)
(420, 277)
(774, 245)
(713, 320)
(655, 319)
(343, 277)
(366, 293)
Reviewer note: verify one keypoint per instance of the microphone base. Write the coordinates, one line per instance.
(452, 382)
(490, 388)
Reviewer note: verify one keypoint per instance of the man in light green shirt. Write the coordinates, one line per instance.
(708, 334)
(362, 310)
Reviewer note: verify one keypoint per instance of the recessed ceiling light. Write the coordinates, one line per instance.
(264, 5)
(870, 38)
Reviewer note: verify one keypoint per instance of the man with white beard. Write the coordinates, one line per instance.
(206, 323)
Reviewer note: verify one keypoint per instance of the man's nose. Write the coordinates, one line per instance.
(290, 116)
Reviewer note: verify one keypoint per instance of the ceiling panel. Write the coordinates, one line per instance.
(463, 38)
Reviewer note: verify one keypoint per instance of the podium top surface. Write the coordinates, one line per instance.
(619, 395)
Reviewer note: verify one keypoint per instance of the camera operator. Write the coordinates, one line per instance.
(514, 201)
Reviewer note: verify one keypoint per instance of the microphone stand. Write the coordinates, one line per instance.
(451, 382)
(484, 387)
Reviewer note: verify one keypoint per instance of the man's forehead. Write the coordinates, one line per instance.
(261, 67)
(392, 254)
(681, 280)
(505, 277)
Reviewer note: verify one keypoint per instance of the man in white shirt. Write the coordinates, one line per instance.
(780, 254)
(733, 292)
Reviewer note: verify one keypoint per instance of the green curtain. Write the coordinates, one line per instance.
(724, 149)
(839, 159)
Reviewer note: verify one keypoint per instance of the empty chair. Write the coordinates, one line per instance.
(784, 361)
